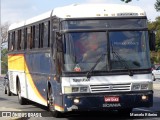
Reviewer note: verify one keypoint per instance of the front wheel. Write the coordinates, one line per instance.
(153, 78)
(5, 90)
(51, 107)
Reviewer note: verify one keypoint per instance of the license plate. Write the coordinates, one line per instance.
(111, 99)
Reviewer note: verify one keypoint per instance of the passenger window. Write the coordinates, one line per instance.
(37, 45)
(19, 40)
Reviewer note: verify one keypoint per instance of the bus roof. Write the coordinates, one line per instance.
(86, 11)
(97, 10)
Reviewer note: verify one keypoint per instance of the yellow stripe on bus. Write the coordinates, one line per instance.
(58, 108)
(16, 62)
(34, 87)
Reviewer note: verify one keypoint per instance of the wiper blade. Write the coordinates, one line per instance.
(91, 70)
(122, 61)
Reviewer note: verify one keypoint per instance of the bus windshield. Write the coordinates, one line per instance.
(83, 49)
(131, 48)
(124, 42)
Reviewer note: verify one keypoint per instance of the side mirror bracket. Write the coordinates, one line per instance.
(59, 43)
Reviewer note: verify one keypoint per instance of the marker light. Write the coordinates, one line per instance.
(68, 15)
(76, 100)
(144, 97)
(98, 15)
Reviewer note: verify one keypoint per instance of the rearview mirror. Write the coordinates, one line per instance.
(152, 40)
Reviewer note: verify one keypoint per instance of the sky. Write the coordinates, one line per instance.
(18, 10)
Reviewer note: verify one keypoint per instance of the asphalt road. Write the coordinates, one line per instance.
(10, 103)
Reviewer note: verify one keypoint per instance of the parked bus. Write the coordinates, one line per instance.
(82, 57)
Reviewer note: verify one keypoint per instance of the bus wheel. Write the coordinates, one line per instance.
(5, 89)
(21, 100)
(8, 90)
(51, 108)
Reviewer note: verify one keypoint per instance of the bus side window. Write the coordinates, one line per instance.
(19, 40)
(41, 34)
(22, 39)
(25, 38)
(13, 41)
(36, 36)
(33, 36)
(46, 35)
(9, 41)
(49, 33)
(16, 40)
(29, 36)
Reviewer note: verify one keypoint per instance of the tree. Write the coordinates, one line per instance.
(126, 1)
(4, 51)
(4, 32)
(155, 56)
(157, 5)
(4, 61)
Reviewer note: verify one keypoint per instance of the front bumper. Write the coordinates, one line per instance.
(96, 102)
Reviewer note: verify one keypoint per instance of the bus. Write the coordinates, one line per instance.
(82, 57)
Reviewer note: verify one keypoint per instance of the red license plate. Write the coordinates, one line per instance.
(111, 99)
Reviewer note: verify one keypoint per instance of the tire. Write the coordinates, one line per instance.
(153, 78)
(5, 90)
(51, 108)
(8, 90)
(21, 100)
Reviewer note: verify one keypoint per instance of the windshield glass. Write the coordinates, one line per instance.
(82, 50)
(132, 49)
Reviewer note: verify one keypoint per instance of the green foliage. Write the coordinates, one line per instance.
(126, 1)
(155, 56)
(156, 27)
(157, 5)
(4, 62)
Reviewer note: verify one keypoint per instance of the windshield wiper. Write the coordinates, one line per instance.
(123, 62)
(91, 70)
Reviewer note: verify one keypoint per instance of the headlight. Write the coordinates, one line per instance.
(75, 89)
(142, 86)
(136, 87)
(83, 89)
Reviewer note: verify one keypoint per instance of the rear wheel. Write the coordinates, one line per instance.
(21, 100)
(5, 90)
(51, 107)
(8, 90)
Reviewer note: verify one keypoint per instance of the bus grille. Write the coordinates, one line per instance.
(110, 88)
